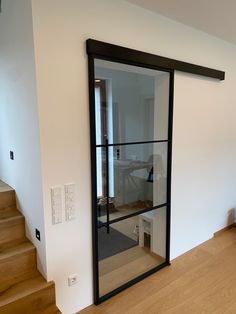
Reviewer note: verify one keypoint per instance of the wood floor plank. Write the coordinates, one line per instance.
(200, 281)
(128, 270)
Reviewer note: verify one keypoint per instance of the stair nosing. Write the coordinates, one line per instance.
(9, 219)
(25, 292)
(12, 206)
(4, 257)
(8, 189)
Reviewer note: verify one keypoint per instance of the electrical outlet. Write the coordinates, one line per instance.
(72, 280)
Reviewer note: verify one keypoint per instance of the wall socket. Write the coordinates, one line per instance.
(72, 280)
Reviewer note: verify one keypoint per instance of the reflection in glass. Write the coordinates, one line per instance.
(131, 103)
(137, 178)
(131, 116)
(133, 246)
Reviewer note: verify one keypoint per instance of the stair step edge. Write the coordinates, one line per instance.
(13, 243)
(22, 289)
(52, 310)
(9, 207)
(20, 249)
(7, 198)
(16, 218)
(6, 190)
(4, 187)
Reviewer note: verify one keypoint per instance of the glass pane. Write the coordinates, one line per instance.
(137, 178)
(102, 188)
(131, 103)
(132, 247)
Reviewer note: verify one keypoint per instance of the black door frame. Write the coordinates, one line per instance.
(109, 52)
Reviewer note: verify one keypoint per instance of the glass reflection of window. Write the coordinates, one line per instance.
(104, 130)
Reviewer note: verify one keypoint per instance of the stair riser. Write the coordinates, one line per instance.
(7, 199)
(12, 230)
(22, 289)
(21, 264)
(35, 303)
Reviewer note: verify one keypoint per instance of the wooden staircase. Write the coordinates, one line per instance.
(22, 288)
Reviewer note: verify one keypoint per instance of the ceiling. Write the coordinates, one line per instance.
(216, 17)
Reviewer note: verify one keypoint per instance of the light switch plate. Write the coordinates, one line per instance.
(56, 203)
(70, 201)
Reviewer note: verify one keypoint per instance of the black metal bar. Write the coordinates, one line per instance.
(169, 165)
(132, 282)
(131, 56)
(104, 224)
(107, 187)
(93, 177)
(133, 143)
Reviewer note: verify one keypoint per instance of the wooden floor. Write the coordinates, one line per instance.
(125, 266)
(202, 281)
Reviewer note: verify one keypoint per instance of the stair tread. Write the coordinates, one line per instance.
(52, 310)
(15, 248)
(22, 289)
(9, 213)
(5, 187)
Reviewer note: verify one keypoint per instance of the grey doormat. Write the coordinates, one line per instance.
(112, 243)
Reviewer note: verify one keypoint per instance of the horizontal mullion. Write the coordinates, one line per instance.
(105, 224)
(133, 143)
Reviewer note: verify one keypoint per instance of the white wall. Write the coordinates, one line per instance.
(19, 130)
(204, 149)
(204, 131)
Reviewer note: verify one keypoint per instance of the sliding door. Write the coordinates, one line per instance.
(130, 150)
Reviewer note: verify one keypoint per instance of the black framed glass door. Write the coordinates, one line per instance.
(131, 119)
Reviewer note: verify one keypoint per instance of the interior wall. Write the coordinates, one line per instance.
(203, 185)
(204, 171)
(19, 129)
